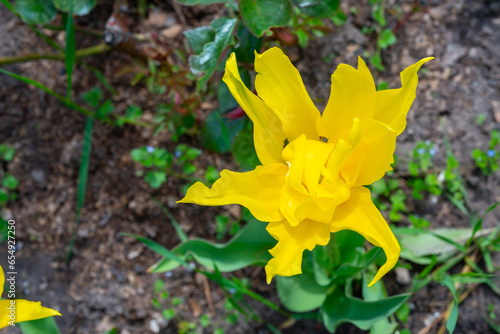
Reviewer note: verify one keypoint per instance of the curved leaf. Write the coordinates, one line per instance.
(35, 11)
(260, 15)
(208, 59)
(318, 8)
(80, 7)
(250, 246)
(301, 293)
(341, 307)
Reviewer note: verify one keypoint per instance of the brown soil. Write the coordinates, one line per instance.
(106, 284)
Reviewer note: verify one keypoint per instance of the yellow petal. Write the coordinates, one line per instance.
(279, 84)
(352, 96)
(24, 310)
(2, 280)
(393, 104)
(257, 190)
(292, 241)
(268, 134)
(307, 159)
(297, 206)
(360, 215)
(373, 155)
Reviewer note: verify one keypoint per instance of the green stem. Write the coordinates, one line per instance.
(90, 51)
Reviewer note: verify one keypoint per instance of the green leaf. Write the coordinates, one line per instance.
(93, 97)
(10, 182)
(217, 133)
(142, 156)
(386, 38)
(155, 178)
(318, 8)
(250, 246)
(198, 37)
(35, 11)
(104, 109)
(244, 151)
(225, 98)
(339, 307)
(339, 19)
(80, 7)
(452, 319)
(7, 152)
(247, 44)
(301, 293)
(4, 196)
(376, 61)
(260, 15)
(206, 62)
(70, 49)
(40, 326)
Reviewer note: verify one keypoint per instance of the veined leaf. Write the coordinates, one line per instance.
(35, 11)
(250, 246)
(260, 15)
(341, 307)
(206, 62)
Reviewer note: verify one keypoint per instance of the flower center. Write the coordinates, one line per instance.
(313, 186)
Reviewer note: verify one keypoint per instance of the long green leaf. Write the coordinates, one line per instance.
(250, 246)
(40, 326)
(452, 319)
(341, 307)
(82, 179)
(70, 48)
(61, 98)
(178, 229)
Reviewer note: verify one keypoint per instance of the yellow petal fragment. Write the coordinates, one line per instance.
(293, 154)
(292, 241)
(297, 206)
(360, 215)
(393, 104)
(257, 190)
(352, 96)
(279, 84)
(24, 311)
(373, 155)
(268, 133)
(2, 280)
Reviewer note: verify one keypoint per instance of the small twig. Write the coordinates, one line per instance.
(92, 32)
(90, 51)
(208, 294)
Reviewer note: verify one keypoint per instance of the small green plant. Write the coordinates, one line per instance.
(487, 161)
(160, 163)
(8, 186)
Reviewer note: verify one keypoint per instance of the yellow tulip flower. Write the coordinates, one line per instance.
(13, 311)
(314, 165)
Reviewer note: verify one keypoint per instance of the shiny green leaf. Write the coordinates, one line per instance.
(206, 62)
(250, 246)
(35, 11)
(80, 7)
(40, 326)
(340, 307)
(261, 15)
(318, 8)
(301, 293)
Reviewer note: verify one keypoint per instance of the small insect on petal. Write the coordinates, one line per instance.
(323, 139)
